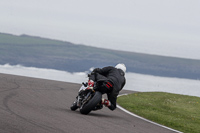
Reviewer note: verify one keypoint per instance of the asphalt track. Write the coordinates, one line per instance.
(30, 105)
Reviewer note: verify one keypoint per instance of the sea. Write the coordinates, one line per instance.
(134, 81)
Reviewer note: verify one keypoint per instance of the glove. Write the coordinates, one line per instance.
(90, 84)
(106, 102)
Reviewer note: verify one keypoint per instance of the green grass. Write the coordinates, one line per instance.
(179, 112)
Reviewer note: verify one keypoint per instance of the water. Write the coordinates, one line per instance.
(136, 82)
(147, 83)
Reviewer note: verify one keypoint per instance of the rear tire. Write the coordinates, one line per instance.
(88, 107)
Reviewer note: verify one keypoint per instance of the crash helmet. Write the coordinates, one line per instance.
(121, 66)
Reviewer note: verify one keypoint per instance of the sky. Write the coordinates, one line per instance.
(169, 28)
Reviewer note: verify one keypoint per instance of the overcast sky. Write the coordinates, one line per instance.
(170, 27)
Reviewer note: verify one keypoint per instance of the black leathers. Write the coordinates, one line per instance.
(112, 75)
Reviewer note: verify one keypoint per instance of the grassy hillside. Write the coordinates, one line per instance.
(47, 53)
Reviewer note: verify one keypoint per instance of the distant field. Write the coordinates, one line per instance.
(47, 53)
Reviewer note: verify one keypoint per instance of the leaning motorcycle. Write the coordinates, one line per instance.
(87, 100)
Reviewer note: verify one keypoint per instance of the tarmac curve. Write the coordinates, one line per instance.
(31, 105)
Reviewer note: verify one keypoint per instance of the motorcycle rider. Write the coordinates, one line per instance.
(110, 80)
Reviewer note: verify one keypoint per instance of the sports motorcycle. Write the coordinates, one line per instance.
(88, 99)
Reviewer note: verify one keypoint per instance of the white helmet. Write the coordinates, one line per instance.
(121, 66)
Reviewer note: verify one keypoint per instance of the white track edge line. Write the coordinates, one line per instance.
(130, 113)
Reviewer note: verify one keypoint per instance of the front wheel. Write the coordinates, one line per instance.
(88, 107)
(74, 106)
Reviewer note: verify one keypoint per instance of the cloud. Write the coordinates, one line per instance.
(155, 27)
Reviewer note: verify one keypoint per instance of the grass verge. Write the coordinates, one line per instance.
(176, 111)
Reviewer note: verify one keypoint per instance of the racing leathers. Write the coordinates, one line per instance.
(111, 81)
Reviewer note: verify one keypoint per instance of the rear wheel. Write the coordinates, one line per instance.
(86, 108)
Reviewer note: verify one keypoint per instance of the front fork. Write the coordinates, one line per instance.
(83, 96)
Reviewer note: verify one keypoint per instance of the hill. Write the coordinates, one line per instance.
(47, 53)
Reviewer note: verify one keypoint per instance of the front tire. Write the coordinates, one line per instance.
(88, 107)
(74, 106)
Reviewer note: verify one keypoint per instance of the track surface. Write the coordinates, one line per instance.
(30, 105)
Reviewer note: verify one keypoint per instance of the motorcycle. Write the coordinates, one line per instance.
(87, 100)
